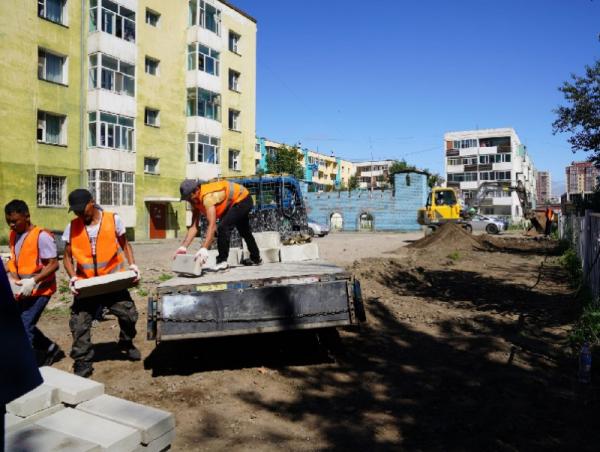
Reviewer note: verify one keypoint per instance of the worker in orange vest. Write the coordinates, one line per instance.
(32, 269)
(96, 240)
(228, 202)
(549, 219)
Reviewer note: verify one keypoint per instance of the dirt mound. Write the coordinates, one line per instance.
(449, 237)
(521, 244)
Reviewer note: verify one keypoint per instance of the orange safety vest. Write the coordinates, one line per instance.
(109, 257)
(29, 263)
(234, 193)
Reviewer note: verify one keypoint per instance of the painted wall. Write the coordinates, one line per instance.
(391, 210)
(22, 94)
(164, 92)
(243, 101)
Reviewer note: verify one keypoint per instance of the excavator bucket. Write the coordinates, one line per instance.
(538, 223)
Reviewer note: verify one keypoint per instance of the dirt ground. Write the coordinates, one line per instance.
(463, 350)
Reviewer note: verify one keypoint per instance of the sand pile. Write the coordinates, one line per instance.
(449, 237)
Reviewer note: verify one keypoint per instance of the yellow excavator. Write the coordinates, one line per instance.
(442, 207)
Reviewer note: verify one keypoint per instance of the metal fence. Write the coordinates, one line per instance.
(584, 234)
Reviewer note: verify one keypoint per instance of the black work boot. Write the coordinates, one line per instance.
(130, 350)
(250, 261)
(82, 369)
(53, 355)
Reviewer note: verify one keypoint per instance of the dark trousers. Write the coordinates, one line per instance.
(83, 312)
(548, 228)
(237, 216)
(31, 310)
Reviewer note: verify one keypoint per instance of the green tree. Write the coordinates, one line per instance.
(286, 160)
(435, 180)
(353, 183)
(397, 167)
(581, 116)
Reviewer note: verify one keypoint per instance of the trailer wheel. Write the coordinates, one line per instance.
(468, 228)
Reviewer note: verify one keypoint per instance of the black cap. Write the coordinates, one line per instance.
(187, 187)
(78, 199)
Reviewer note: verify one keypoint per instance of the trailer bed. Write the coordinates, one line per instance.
(257, 299)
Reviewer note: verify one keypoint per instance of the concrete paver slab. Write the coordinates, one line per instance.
(151, 422)
(159, 444)
(105, 284)
(111, 436)
(38, 399)
(268, 255)
(296, 253)
(267, 240)
(18, 422)
(71, 388)
(34, 438)
(185, 264)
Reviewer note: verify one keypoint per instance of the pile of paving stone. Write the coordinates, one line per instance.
(70, 413)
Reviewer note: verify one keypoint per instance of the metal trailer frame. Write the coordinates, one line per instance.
(310, 296)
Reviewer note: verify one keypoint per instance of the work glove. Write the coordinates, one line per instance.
(27, 286)
(180, 250)
(134, 268)
(72, 285)
(201, 255)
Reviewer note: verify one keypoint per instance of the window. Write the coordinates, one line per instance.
(107, 130)
(234, 160)
(463, 144)
(494, 158)
(203, 148)
(455, 161)
(51, 128)
(152, 17)
(202, 58)
(234, 120)
(470, 161)
(51, 191)
(205, 15)
(111, 74)
(495, 175)
(111, 188)
(113, 19)
(53, 10)
(234, 42)
(201, 102)
(151, 117)
(51, 67)
(150, 165)
(234, 80)
(151, 66)
(462, 177)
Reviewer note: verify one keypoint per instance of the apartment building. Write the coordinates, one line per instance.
(582, 180)
(321, 171)
(127, 98)
(473, 157)
(373, 174)
(543, 187)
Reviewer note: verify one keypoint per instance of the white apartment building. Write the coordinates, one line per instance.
(473, 157)
(373, 174)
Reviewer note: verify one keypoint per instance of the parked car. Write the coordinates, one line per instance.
(487, 224)
(501, 219)
(319, 229)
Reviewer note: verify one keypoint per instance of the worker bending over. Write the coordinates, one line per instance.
(96, 240)
(228, 202)
(32, 266)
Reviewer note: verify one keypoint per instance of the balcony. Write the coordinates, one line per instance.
(104, 100)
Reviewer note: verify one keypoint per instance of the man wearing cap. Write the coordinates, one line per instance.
(96, 240)
(228, 202)
(32, 269)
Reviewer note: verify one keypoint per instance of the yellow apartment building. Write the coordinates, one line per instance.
(127, 102)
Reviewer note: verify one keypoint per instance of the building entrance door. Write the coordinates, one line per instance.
(158, 221)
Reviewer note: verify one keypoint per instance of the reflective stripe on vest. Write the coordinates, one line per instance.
(234, 193)
(109, 257)
(29, 263)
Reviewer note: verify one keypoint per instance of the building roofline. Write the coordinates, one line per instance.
(236, 9)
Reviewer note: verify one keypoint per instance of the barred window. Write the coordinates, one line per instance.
(51, 191)
(112, 188)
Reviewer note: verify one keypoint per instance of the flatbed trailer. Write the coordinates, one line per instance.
(249, 300)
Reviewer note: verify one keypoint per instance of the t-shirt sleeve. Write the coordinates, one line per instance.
(47, 246)
(67, 234)
(119, 226)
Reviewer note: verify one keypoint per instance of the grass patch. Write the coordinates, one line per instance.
(142, 292)
(572, 264)
(63, 287)
(61, 310)
(164, 277)
(454, 255)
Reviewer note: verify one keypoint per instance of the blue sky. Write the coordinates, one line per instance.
(390, 77)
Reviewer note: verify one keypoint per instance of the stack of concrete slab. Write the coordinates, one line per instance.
(70, 413)
(268, 244)
(297, 253)
(99, 285)
(187, 265)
